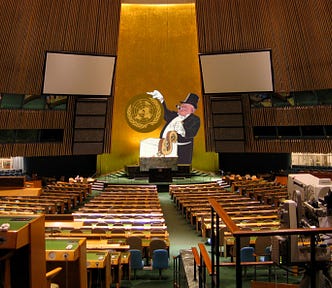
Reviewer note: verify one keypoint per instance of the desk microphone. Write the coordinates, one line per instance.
(5, 227)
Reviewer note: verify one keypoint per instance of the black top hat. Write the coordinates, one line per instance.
(191, 99)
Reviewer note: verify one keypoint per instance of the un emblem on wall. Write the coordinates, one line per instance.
(143, 113)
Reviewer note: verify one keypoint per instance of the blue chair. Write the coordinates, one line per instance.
(247, 254)
(136, 260)
(160, 260)
(155, 243)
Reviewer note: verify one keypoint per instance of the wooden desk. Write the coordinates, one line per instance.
(78, 216)
(116, 220)
(25, 238)
(48, 207)
(116, 270)
(110, 236)
(120, 266)
(269, 221)
(104, 245)
(70, 254)
(98, 264)
(67, 226)
(21, 192)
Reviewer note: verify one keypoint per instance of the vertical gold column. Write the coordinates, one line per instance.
(157, 49)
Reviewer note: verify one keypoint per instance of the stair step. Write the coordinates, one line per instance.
(98, 185)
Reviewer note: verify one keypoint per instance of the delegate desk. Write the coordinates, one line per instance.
(114, 265)
(104, 244)
(119, 266)
(70, 254)
(110, 240)
(98, 264)
(22, 251)
(146, 232)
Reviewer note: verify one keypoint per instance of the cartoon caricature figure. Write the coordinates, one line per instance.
(184, 122)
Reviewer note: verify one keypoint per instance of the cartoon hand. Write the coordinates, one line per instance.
(180, 129)
(156, 95)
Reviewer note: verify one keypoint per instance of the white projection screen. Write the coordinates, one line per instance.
(237, 72)
(78, 74)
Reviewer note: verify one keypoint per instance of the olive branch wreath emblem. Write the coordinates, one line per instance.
(143, 113)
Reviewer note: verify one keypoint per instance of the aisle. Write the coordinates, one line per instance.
(182, 234)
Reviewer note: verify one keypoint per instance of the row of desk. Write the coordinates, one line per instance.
(24, 250)
(79, 252)
(247, 213)
(53, 199)
(135, 211)
(85, 263)
(268, 192)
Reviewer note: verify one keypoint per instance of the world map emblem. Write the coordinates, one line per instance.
(144, 113)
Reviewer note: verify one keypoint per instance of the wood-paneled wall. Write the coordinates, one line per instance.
(299, 36)
(294, 116)
(29, 28)
(298, 32)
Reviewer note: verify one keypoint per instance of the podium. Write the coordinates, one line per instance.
(147, 163)
(22, 249)
(160, 168)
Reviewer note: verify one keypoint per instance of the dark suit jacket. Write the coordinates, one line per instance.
(191, 125)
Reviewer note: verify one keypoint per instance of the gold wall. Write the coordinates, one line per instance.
(157, 49)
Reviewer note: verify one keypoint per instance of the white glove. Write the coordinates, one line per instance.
(156, 95)
(178, 127)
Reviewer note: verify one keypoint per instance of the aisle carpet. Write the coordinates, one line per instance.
(182, 236)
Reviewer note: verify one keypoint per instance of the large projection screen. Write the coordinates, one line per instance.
(78, 74)
(237, 72)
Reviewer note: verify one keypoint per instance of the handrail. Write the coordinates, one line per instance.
(196, 255)
(176, 271)
(206, 258)
(238, 233)
(223, 215)
(196, 262)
